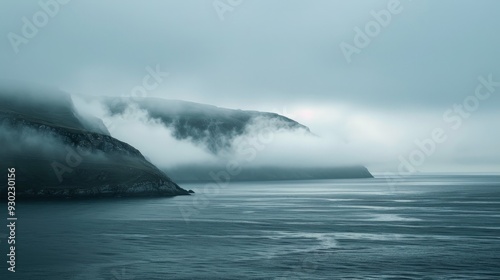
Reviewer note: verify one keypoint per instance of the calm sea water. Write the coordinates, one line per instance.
(434, 227)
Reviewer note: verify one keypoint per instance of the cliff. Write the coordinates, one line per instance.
(59, 153)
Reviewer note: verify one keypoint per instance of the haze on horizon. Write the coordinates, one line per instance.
(285, 56)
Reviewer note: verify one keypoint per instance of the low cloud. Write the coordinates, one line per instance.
(340, 136)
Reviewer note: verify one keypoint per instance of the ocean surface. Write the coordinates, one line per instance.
(422, 227)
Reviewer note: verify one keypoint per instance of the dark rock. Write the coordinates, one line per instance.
(57, 155)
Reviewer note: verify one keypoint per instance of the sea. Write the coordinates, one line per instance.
(418, 227)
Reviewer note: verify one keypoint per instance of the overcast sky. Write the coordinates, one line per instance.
(283, 56)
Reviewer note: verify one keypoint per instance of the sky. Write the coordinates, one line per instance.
(381, 75)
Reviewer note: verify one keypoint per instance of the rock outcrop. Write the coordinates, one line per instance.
(58, 153)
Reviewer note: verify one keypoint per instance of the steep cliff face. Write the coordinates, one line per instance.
(58, 153)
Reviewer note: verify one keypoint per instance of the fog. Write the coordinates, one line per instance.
(25, 143)
(346, 136)
(282, 56)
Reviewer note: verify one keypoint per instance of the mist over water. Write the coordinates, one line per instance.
(271, 147)
(346, 134)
